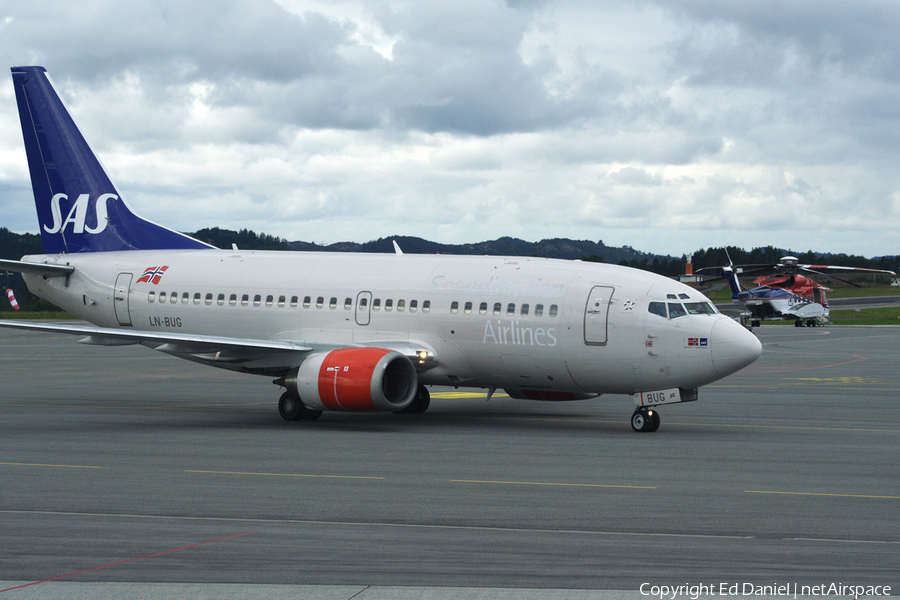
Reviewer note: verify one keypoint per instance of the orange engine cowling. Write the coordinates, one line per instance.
(355, 379)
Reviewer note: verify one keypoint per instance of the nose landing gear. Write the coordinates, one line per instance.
(645, 420)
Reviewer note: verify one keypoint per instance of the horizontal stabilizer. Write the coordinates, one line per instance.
(42, 269)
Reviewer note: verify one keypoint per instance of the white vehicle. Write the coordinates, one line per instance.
(785, 294)
(356, 332)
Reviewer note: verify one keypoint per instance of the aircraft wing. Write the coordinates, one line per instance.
(253, 355)
(201, 347)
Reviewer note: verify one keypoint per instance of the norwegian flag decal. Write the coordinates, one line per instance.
(152, 275)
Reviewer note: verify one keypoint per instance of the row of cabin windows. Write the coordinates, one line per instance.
(172, 298)
(389, 305)
(497, 310)
(220, 300)
(413, 305)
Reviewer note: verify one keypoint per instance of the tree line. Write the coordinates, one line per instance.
(15, 245)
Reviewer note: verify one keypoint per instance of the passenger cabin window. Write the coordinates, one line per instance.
(197, 298)
(524, 311)
(388, 304)
(162, 297)
(426, 306)
(348, 303)
(208, 299)
(401, 305)
(245, 299)
(281, 300)
(294, 300)
(497, 308)
(332, 304)
(185, 297)
(173, 298)
(376, 304)
(510, 309)
(468, 308)
(320, 302)
(658, 309)
(538, 310)
(454, 307)
(553, 310)
(151, 297)
(257, 299)
(232, 300)
(413, 305)
(270, 300)
(306, 301)
(482, 308)
(220, 299)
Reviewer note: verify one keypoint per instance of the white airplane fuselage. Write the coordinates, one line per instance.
(355, 332)
(520, 324)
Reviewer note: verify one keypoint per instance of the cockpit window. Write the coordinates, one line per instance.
(676, 310)
(700, 308)
(683, 296)
(658, 308)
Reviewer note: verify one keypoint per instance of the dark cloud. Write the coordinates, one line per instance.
(468, 116)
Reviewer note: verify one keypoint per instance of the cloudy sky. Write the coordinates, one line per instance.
(667, 126)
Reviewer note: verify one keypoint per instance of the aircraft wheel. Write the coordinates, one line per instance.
(645, 421)
(419, 404)
(639, 421)
(798, 323)
(810, 323)
(292, 409)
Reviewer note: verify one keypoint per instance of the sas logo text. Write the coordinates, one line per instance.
(78, 213)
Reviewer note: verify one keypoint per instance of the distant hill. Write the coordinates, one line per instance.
(15, 245)
(504, 246)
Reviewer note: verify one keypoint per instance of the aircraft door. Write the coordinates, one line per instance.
(121, 298)
(363, 308)
(595, 315)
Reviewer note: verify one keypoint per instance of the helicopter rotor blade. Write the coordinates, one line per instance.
(803, 268)
(839, 268)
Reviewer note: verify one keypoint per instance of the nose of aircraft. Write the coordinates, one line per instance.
(732, 347)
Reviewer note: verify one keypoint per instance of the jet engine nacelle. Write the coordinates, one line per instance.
(355, 379)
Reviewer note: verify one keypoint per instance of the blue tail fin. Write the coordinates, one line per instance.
(79, 209)
(728, 273)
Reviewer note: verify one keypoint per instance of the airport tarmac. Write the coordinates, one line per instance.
(126, 470)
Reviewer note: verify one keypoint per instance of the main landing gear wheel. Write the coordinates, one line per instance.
(646, 421)
(292, 409)
(419, 404)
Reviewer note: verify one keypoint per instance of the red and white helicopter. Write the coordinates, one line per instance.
(785, 293)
